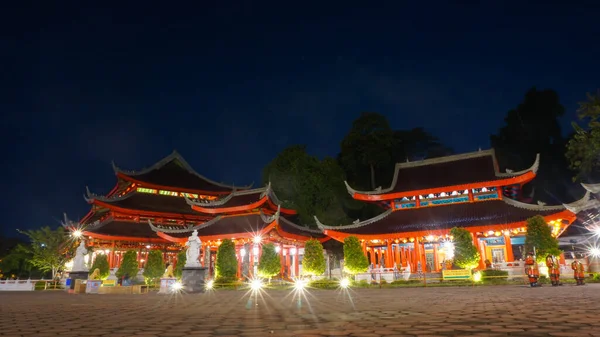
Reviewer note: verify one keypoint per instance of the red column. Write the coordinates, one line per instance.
(389, 261)
(281, 259)
(509, 251)
(436, 263)
(296, 263)
(476, 244)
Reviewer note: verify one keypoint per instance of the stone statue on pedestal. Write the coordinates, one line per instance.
(193, 251)
(169, 272)
(79, 261)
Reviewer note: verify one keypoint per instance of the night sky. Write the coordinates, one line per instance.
(229, 86)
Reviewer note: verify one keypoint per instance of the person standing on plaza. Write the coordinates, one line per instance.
(553, 269)
(578, 272)
(531, 270)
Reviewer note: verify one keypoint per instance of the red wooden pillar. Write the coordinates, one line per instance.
(389, 260)
(297, 263)
(436, 266)
(510, 257)
(281, 260)
(478, 246)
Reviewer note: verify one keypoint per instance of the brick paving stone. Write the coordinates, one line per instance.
(485, 311)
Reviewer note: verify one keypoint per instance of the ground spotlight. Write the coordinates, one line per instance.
(477, 276)
(256, 284)
(177, 286)
(77, 233)
(344, 283)
(300, 284)
(595, 252)
(210, 284)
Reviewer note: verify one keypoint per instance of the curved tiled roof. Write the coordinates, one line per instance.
(174, 171)
(467, 168)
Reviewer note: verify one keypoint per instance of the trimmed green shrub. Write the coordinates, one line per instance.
(492, 274)
(226, 265)
(101, 262)
(324, 284)
(155, 267)
(539, 236)
(269, 264)
(181, 259)
(355, 260)
(129, 265)
(466, 255)
(313, 262)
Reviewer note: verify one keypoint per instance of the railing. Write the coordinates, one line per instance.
(29, 285)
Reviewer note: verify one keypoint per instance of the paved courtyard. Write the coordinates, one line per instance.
(479, 311)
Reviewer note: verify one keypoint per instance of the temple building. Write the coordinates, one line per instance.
(428, 198)
(157, 208)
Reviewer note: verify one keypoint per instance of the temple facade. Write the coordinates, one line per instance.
(427, 198)
(157, 208)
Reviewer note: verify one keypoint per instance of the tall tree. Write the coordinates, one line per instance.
(369, 145)
(583, 149)
(531, 128)
(539, 238)
(308, 185)
(417, 144)
(50, 249)
(16, 262)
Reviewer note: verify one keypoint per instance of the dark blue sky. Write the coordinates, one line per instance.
(231, 86)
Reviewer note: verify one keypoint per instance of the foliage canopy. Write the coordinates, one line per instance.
(466, 255)
(308, 185)
(539, 237)
(313, 262)
(583, 150)
(181, 259)
(355, 260)
(155, 267)
(269, 264)
(49, 249)
(101, 262)
(129, 266)
(226, 264)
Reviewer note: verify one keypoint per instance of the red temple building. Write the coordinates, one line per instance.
(427, 198)
(159, 207)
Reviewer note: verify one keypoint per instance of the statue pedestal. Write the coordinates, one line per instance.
(192, 279)
(78, 275)
(92, 286)
(166, 285)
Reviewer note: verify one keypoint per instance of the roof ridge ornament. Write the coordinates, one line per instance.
(511, 173)
(270, 218)
(585, 203)
(89, 196)
(594, 188)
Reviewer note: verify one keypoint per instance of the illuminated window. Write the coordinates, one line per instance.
(171, 193)
(190, 195)
(146, 190)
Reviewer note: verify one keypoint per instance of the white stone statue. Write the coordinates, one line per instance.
(192, 254)
(79, 260)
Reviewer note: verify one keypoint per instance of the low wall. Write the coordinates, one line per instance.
(17, 285)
